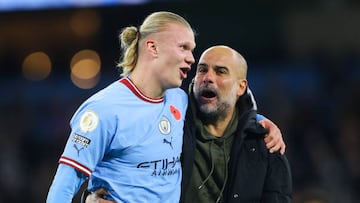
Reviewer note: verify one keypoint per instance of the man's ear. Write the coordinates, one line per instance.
(242, 87)
(151, 47)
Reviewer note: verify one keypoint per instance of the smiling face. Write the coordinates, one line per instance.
(219, 81)
(174, 49)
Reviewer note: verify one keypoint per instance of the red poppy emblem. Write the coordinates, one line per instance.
(175, 112)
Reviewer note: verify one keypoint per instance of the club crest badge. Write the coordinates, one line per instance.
(89, 121)
(164, 125)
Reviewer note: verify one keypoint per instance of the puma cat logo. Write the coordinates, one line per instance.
(77, 149)
(168, 142)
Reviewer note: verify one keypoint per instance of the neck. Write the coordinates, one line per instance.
(146, 84)
(217, 128)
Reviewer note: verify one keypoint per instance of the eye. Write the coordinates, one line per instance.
(221, 71)
(202, 69)
(184, 47)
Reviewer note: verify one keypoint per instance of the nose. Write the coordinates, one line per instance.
(209, 76)
(190, 59)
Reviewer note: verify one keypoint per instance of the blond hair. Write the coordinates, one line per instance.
(130, 36)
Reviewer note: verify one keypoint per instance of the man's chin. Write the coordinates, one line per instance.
(207, 109)
(176, 84)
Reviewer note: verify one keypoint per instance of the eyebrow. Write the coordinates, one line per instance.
(221, 67)
(203, 64)
(216, 66)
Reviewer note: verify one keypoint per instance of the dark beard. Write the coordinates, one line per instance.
(213, 117)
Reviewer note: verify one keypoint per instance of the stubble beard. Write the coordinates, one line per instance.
(210, 115)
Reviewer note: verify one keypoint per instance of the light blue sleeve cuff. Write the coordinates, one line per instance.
(260, 117)
(66, 183)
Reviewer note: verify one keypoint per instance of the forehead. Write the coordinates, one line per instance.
(176, 32)
(219, 57)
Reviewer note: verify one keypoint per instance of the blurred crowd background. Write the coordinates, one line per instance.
(304, 70)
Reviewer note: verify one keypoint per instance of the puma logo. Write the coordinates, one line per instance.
(77, 149)
(168, 142)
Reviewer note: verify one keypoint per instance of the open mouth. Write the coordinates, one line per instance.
(184, 71)
(208, 94)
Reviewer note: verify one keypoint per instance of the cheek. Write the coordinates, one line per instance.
(195, 88)
(173, 61)
(197, 80)
(233, 87)
(230, 90)
(230, 96)
(168, 66)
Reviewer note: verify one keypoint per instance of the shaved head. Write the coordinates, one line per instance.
(226, 56)
(219, 81)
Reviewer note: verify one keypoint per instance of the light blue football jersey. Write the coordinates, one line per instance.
(128, 143)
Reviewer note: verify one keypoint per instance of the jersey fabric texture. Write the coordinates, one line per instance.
(128, 143)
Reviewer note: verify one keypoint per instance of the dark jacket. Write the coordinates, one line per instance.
(255, 175)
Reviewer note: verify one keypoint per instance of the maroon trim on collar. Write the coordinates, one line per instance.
(128, 83)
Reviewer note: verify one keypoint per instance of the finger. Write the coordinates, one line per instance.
(92, 198)
(263, 123)
(101, 192)
(99, 196)
(282, 150)
(106, 201)
(280, 146)
(268, 138)
(274, 149)
(271, 141)
(95, 198)
(274, 145)
(274, 140)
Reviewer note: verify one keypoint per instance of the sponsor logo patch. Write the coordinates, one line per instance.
(81, 140)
